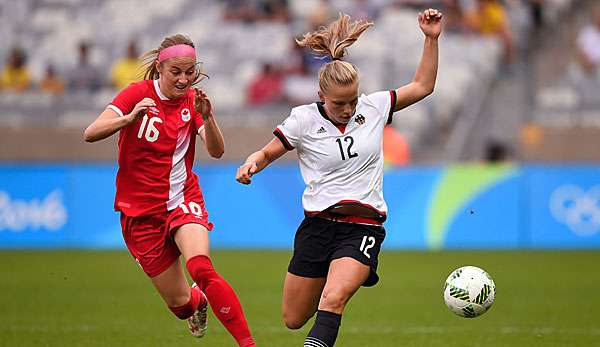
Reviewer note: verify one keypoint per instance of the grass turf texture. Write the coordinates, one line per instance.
(102, 299)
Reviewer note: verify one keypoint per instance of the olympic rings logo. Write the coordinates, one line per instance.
(577, 208)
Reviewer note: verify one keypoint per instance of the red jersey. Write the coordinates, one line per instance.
(156, 152)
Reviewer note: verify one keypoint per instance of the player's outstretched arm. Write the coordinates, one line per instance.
(109, 122)
(257, 161)
(210, 132)
(423, 83)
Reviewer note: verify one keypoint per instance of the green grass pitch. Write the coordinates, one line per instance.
(72, 298)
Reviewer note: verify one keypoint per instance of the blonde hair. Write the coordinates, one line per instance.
(332, 41)
(149, 58)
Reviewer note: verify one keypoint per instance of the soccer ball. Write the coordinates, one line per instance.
(469, 291)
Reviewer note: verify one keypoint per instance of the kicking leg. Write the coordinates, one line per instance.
(345, 277)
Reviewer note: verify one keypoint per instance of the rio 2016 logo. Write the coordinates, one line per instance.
(48, 213)
(577, 208)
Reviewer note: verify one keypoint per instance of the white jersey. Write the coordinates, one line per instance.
(340, 164)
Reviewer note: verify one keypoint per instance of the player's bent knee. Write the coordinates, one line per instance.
(294, 322)
(295, 319)
(333, 301)
(175, 301)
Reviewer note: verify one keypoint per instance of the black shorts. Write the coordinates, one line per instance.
(318, 241)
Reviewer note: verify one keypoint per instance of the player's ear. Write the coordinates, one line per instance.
(321, 96)
(158, 66)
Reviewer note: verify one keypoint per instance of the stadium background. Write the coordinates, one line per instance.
(499, 168)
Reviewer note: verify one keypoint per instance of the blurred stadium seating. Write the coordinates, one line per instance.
(233, 52)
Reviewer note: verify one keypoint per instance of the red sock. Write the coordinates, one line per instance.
(222, 298)
(187, 310)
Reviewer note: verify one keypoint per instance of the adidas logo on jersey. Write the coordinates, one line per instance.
(321, 130)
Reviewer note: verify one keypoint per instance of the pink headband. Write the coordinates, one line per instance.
(181, 50)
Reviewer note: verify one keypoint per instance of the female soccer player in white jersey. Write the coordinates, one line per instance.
(339, 146)
(161, 204)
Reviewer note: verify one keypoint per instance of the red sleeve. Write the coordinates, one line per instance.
(198, 121)
(127, 98)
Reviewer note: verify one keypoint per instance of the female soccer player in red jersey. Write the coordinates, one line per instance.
(339, 146)
(161, 204)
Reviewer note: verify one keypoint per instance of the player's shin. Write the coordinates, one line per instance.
(222, 299)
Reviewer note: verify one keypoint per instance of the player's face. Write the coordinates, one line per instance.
(176, 76)
(340, 102)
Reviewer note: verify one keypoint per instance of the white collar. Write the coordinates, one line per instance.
(157, 89)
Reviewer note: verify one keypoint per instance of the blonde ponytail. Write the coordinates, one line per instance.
(332, 41)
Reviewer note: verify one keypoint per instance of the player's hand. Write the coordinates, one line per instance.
(140, 109)
(430, 22)
(202, 104)
(245, 172)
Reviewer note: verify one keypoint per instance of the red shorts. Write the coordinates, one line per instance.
(150, 239)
